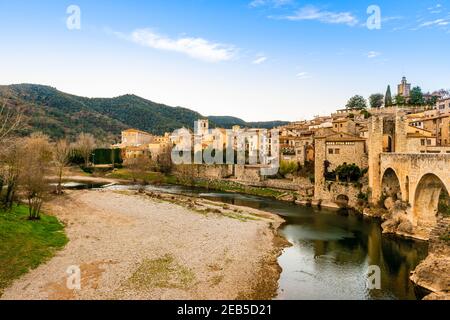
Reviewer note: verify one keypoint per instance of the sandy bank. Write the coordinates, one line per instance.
(156, 246)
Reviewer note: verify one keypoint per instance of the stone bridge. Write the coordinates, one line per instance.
(416, 179)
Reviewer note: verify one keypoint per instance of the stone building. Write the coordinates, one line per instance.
(436, 123)
(443, 106)
(345, 125)
(134, 137)
(336, 149)
(342, 148)
(136, 143)
(404, 88)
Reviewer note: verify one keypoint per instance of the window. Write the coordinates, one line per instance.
(330, 151)
(337, 151)
(422, 142)
(428, 142)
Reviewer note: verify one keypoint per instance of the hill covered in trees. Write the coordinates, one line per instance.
(61, 114)
(227, 122)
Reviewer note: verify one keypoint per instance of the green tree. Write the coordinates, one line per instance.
(431, 101)
(349, 172)
(400, 100)
(356, 102)
(376, 100)
(416, 97)
(388, 97)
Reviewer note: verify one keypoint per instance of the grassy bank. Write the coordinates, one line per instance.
(25, 244)
(230, 186)
(149, 177)
(218, 185)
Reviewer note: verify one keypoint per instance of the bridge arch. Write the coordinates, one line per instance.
(429, 191)
(391, 184)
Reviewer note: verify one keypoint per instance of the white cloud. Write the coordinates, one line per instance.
(373, 54)
(197, 48)
(437, 22)
(259, 60)
(313, 13)
(303, 75)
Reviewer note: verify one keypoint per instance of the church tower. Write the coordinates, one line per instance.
(404, 88)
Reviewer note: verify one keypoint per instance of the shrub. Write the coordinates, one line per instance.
(349, 172)
(288, 167)
(363, 196)
(89, 170)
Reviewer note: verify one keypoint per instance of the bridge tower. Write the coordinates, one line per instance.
(401, 132)
(375, 147)
(319, 169)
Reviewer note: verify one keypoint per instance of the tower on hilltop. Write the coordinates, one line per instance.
(404, 88)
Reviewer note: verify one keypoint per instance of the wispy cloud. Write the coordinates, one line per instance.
(303, 75)
(437, 22)
(373, 54)
(197, 48)
(391, 18)
(435, 9)
(260, 59)
(272, 3)
(316, 14)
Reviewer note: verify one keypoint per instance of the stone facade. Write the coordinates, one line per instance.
(218, 171)
(338, 194)
(133, 137)
(248, 173)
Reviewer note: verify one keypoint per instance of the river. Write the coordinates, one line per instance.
(331, 250)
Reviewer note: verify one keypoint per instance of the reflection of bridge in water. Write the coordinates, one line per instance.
(417, 179)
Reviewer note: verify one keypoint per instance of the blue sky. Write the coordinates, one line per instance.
(258, 60)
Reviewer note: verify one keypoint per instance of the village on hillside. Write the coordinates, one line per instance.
(319, 157)
(387, 161)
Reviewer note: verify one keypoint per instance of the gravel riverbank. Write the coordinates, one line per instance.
(155, 246)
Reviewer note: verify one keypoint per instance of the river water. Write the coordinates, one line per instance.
(331, 251)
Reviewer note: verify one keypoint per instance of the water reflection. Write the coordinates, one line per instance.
(331, 252)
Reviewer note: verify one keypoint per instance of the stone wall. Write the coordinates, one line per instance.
(332, 190)
(303, 186)
(353, 152)
(218, 171)
(247, 173)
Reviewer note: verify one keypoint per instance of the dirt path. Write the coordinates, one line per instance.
(131, 246)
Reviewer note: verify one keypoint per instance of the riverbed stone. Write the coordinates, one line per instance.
(390, 226)
(405, 227)
(389, 203)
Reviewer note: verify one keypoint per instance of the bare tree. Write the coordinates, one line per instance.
(138, 167)
(85, 144)
(164, 160)
(61, 156)
(11, 159)
(37, 157)
(9, 121)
